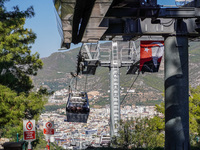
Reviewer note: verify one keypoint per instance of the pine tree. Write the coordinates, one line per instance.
(14, 108)
(16, 61)
(17, 64)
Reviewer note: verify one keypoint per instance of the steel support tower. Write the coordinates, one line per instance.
(118, 55)
(114, 90)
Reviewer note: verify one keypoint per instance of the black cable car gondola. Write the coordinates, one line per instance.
(77, 109)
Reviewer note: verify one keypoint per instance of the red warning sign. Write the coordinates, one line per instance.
(48, 125)
(29, 130)
(29, 126)
(49, 128)
(29, 135)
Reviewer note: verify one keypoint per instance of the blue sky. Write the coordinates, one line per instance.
(44, 24)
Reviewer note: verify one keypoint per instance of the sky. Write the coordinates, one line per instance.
(44, 24)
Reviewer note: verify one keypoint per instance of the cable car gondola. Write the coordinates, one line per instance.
(77, 109)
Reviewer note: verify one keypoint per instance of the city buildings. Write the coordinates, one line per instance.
(72, 134)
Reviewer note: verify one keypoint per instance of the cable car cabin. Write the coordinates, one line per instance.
(77, 109)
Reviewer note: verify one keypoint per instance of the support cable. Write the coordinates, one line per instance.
(130, 87)
(76, 85)
(86, 83)
(59, 24)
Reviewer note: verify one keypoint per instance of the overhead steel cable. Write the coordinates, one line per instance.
(86, 83)
(130, 87)
(59, 24)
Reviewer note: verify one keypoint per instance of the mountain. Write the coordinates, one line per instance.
(148, 87)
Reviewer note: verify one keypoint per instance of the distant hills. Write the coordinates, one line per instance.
(149, 88)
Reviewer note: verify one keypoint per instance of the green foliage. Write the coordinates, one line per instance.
(160, 108)
(43, 91)
(140, 133)
(154, 82)
(194, 112)
(16, 60)
(16, 107)
(17, 64)
(11, 109)
(35, 104)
